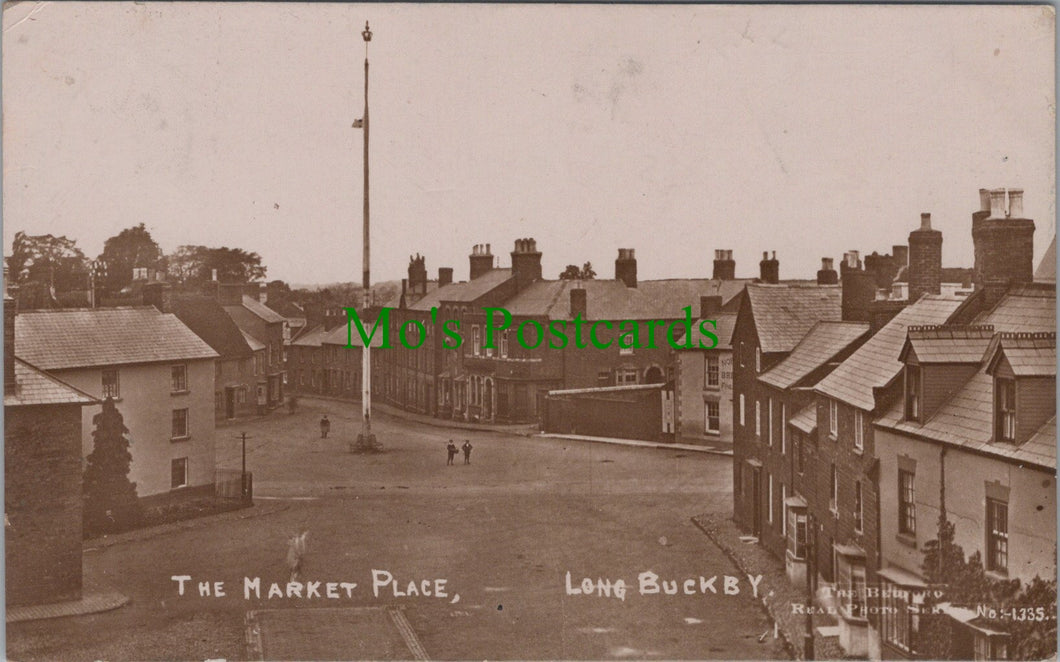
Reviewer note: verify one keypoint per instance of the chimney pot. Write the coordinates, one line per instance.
(984, 199)
(925, 221)
(1015, 203)
(997, 203)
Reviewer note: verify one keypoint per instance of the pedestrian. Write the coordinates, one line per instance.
(325, 427)
(296, 550)
(467, 451)
(292, 404)
(451, 450)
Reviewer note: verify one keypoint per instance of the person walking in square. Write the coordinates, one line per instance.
(325, 427)
(451, 450)
(296, 550)
(467, 451)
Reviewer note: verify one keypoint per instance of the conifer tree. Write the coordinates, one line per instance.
(111, 503)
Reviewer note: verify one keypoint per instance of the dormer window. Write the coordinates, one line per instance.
(1005, 399)
(912, 392)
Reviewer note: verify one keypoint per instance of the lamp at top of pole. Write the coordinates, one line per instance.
(367, 34)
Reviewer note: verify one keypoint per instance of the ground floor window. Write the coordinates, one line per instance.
(899, 619)
(179, 472)
(712, 417)
(797, 532)
(990, 648)
(850, 585)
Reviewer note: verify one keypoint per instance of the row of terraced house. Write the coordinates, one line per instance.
(865, 413)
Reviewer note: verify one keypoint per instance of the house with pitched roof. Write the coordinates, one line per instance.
(240, 364)
(268, 328)
(703, 380)
(42, 479)
(772, 320)
(973, 436)
(160, 374)
(305, 372)
(787, 457)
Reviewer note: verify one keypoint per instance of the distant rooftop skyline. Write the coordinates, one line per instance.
(674, 130)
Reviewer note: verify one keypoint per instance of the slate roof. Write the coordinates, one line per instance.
(35, 387)
(805, 420)
(875, 364)
(1046, 270)
(948, 344)
(341, 335)
(669, 297)
(465, 290)
(208, 320)
(605, 300)
(966, 421)
(85, 337)
(287, 309)
(726, 323)
(310, 338)
(821, 344)
(261, 310)
(1028, 354)
(784, 313)
(253, 343)
(1026, 308)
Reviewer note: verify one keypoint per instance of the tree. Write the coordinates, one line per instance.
(55, 262)
(966, 584)
(132, 247)
(110, 497)
(195, 264)
(572, 272)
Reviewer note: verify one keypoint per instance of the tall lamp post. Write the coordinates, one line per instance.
(366, 440)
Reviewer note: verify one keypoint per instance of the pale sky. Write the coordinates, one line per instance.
(674, 130)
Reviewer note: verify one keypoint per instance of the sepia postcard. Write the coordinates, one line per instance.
(374, 331)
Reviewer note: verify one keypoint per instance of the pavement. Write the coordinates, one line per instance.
(691, 448)
(94, 599)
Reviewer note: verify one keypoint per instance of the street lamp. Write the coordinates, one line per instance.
(366, 440)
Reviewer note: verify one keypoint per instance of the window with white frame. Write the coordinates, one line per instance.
(624, 376)
(476, 340)
(758, 360)
(179, 378)
(900, 619)
(833, 496)
(912, 392)
(711, 376)
(504, 343)
(906, 502)
(797, 533)
(769, 477)
(858, 507)
(859, 430)
(758, 418)
(111, 387)
(712, 417)
(783, 428)
(180, 424)
(996, 535)
(1005, 390)
(833, 418)
(769, 431)
(783, 504)
(742, 410)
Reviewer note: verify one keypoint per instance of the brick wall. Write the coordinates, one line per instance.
(42, 500)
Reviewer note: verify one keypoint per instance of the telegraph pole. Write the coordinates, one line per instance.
(366, 440)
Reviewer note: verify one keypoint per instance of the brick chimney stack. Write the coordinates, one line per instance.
(626, 267)
(579, 302)
(827, 274)
(769, 268)
(901, 256)
(859, 289)
(160, 295)
(724, 265)
(925, 260)
(10, 309)
(445, 276)
(230, 294)
(526, 263)
(1003, 240)
(481, 260)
